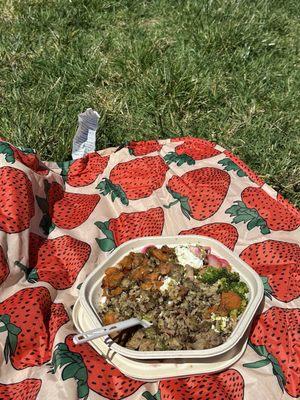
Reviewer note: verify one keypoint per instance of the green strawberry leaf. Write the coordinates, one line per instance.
(104, 227)
(184, 204)
(106, 244)
(228, 164)
(185, 208)
(60, 361)
(119, 192)
(62, 347)
(267, 288)
(178, 159)
(6, 149)
(33, 276)
(253, 223)
(269, 358)
(10, 158)
(64, 166)
(241, 218)
(232, 166)
(240, 173)
(241, 213)
(74, 367)
(46, 224)
(277, 371)
(104, 187)
(107, 187)
(82, 390)
(176, 195)
(260, 350)
(5, 319)
(12, 336)
(22, 267)
(149, 396)
(12, 339)
(13, 329)
(265, 230)
(6, 351)
(233, 210)
(257, 364)
(81, 374)
(79, 286)
(70, 371)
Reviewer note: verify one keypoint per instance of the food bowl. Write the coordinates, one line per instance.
(153, 370)
(91, 292)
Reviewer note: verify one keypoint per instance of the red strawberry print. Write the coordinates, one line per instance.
(233, 163)
(130, 226)
(24, 390)
(4, 269)
(63, 209)
(135, 179)
(278, 263)
(31, 321)
(259, 209)
(224, 233)
(200, 192)
(227, 385)
(16, 200)
(56, 261)
(85, 170)
(143, 148)
(25, 156)
(190, 150)
(287, 204)
(91, 371)
(275, 336)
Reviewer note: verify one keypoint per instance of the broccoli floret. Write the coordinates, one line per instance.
(213, 274)
(223, 285)
(239, 288)
(232, 276)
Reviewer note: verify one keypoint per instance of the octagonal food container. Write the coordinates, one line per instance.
(91, 292)
(153, 370)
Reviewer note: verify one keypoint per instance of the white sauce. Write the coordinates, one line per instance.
(167, 282)
(186, 257)
(220, 323)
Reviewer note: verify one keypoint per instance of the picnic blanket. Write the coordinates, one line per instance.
(60, 220)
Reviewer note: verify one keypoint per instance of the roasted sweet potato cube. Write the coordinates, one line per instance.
(230, 301)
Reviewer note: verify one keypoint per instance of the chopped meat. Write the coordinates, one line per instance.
(109, 318)
(116, 291)
(147, 345)
(139, 273)
(135, 340)
(164, 268)
(159, 254)
(112, 280)
(151, 285)
(126, 262)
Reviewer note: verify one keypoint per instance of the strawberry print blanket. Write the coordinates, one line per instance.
(59, 220)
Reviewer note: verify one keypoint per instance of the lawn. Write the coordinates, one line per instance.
(224, 70)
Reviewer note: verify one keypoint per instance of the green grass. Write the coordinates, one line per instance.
(224, 70)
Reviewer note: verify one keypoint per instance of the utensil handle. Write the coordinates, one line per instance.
(105, 330)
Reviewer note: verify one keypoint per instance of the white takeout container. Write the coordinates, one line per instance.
(153, 370)
(91, 291)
